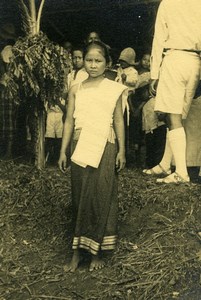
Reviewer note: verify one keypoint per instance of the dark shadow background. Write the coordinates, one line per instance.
(121, 23)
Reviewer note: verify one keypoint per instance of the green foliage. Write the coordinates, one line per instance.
(37, 70)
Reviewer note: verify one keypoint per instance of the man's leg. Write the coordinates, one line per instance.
(177, 140)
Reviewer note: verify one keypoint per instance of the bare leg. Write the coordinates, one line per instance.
(96, 263)
(73, 265)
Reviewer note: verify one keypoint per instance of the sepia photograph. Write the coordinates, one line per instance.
(100, 149)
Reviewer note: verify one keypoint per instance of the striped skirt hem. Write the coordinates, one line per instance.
(108, 243)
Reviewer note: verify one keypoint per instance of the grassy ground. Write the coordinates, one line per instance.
(158, 254)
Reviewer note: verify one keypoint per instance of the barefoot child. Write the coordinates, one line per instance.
(95, 119)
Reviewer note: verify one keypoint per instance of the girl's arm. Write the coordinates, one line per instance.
(68, 129)
(120, 134)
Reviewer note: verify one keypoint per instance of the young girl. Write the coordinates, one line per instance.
(94, 107)
(78, 73)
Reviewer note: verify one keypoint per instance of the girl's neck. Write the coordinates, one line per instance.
(93, 81)
(96, 79)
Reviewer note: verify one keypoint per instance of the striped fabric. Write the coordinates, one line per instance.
(93, 247)
(95, 205)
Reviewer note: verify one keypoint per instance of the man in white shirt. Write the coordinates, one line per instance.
(175, 66)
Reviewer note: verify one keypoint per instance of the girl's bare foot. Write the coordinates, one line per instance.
(96, 263)
(73, 265)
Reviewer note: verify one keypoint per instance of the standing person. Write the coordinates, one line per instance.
(178, 37)
(127, 75)
(68, 47)
(144, 70)
(54, 129)
(79, 73)
(92, 36)
(8, 109)
(137, 101)
(94, 109)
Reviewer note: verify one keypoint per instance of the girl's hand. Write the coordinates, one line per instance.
(62, 163)
(120, 161)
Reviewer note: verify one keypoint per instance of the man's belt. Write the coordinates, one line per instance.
(187, 50)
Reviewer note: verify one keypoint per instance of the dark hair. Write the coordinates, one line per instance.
(95, 31)
(78, 48)
(98, 44)
(146, 53)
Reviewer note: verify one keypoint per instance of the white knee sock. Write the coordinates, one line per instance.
(177, 139)
(167, 156)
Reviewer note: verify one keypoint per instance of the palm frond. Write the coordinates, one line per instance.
(26, 18)
(39, 14)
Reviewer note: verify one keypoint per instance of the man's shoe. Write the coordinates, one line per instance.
(174, 178)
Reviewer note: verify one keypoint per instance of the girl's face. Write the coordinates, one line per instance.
(95, 62)
(78, 59)
(145, 62)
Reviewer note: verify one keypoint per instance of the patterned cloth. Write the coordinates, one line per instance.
(94, 197)
(7, 118)
(94, 189)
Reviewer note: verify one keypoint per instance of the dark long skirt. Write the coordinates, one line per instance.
(94, 196)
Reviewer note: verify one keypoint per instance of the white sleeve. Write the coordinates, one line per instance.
(160, 36)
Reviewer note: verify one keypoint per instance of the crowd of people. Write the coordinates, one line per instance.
(115, 106)
(122, 68)
(144, 128)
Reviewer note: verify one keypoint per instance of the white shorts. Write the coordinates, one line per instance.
(54, 125)
(179, 77)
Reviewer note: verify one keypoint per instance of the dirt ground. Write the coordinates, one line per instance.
(158, 255)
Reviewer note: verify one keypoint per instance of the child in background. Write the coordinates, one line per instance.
(95, 116)
(144, 70)
(54, 130)
(127, 75)
(138, 99)
(92, 36)
(78, 74)
(68, 47)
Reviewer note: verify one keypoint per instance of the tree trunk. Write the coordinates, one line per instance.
(40, 146)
